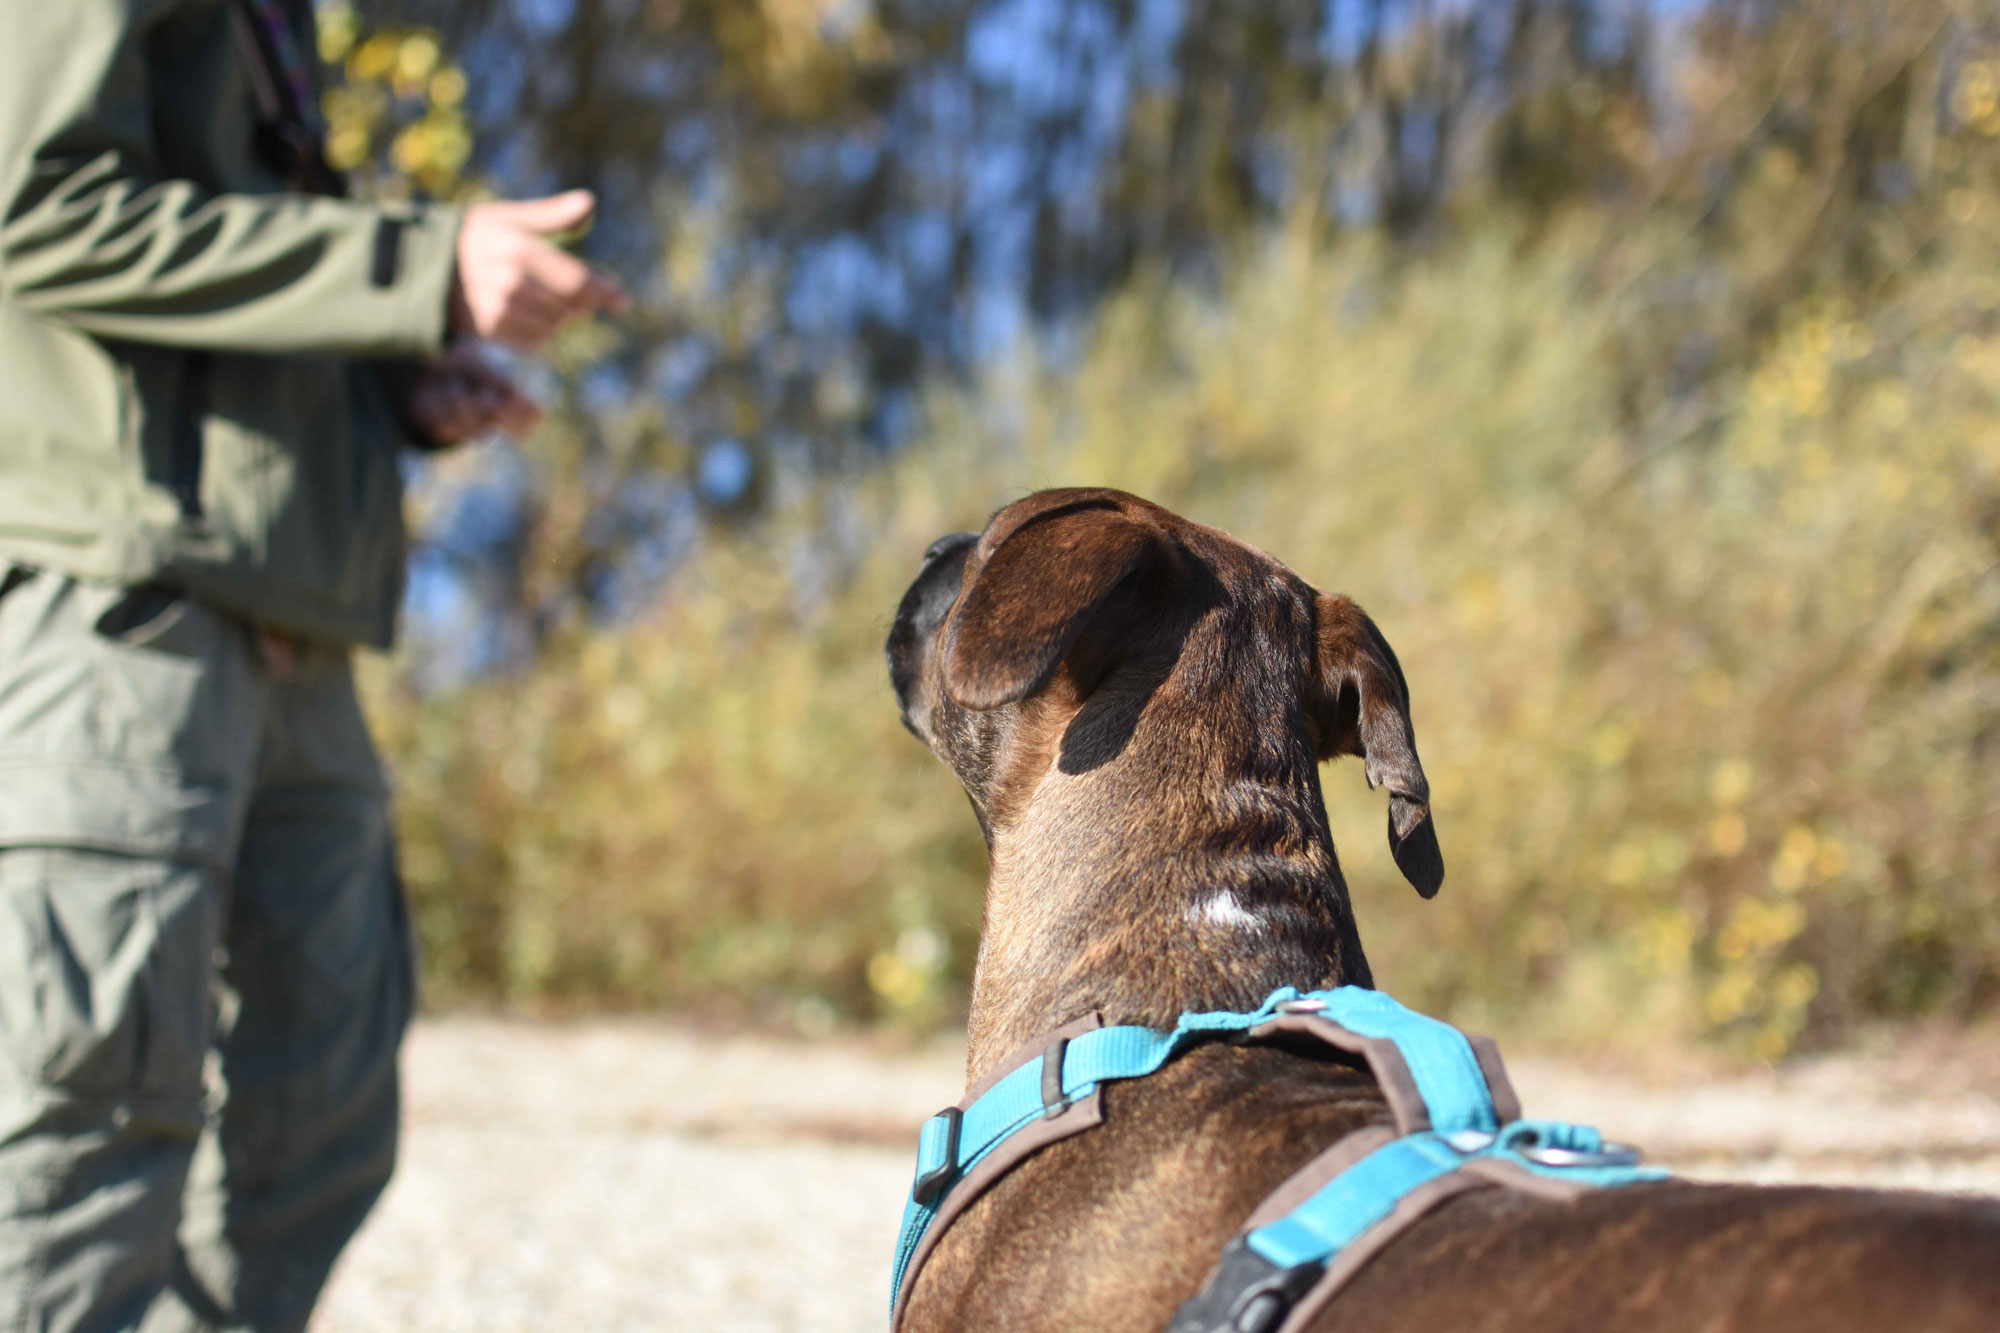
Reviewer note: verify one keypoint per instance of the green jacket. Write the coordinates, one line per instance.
(139, 230)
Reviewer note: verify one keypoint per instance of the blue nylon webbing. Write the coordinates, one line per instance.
(1440, 1059)
(1343, 1209)
(1447, 1073)
(1090, 1058)
(1354, 1200)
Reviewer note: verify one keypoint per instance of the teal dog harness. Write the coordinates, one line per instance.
(1457, 1126)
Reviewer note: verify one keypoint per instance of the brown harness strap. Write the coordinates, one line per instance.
(1085, 1112)
(1385, 1061)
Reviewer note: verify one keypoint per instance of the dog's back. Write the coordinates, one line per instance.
(1115, 1228)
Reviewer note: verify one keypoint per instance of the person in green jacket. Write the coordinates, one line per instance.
(210, 360)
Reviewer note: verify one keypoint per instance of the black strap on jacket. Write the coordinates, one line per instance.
(288, 134)
(289, 141)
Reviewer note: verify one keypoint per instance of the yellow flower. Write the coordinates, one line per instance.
(1733, 996)
(416, 60)
(1978, 93)
(1794, 859)
(450, 142)
(448, 86)
(900, 985)
(411, 150)
(373, 59)
(1731, 782)
(338, 28)
(1610, 743)
(1889, 406)
(1806, 390)
(1795, 988)
(346, 147)
(1626, 865)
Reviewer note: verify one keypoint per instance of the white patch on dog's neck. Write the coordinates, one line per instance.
(1223, 910)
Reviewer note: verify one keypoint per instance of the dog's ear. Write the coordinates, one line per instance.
(1364, 709)
(1026, 608)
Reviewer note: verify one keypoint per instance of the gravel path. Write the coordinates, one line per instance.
(619, 1175)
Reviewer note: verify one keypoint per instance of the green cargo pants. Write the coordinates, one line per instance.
(204, 966)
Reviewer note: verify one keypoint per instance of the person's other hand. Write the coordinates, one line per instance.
(512, 284)
(460, 397)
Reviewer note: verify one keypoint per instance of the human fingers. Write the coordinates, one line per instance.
(457, 404)
(530, 318)
(550, 215)
(583, 288)
(444, 409)
(500, 404)
(553, 289)
(464, 356)
(610, 294)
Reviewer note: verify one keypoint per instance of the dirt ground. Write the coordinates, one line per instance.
(619, 1175)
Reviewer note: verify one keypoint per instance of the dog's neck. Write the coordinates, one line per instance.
(1150, 857)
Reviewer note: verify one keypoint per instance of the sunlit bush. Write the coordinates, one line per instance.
(395, 110)
(1709, 723)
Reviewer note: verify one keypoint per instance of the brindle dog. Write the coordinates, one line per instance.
(1137, 706)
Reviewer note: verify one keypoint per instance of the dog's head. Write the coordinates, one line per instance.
(1085, 627)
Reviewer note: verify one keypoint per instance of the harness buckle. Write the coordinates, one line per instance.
(1053, 1103)
(1246, 1293)
(1560, 1145)
(1611, 1154)
(937, 1155)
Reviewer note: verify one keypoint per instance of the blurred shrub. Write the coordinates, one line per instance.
(714, 807)
(395, 111)
(1709, 722)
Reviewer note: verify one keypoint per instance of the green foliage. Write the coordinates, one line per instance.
(1680, 504)
(1709, 729)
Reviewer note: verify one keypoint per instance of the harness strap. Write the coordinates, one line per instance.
(960, 1138)
(1081, 1113)
(1480, 1173)
(1386, 1060)
(1457, 1127)
(1435, 1075)
(1316, 1231)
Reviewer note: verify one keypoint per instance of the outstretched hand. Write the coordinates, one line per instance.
(513, 284)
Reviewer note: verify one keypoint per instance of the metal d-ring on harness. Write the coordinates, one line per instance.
(1457, 1126)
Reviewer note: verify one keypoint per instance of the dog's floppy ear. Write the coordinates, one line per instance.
(1044, 585)
(1364, 709)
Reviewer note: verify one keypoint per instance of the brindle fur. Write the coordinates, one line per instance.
(1136, 706)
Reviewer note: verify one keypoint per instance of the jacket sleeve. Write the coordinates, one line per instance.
(95, 234)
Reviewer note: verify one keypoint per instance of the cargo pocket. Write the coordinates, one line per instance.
(129, 721)
(104, 973)
(128, 725)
